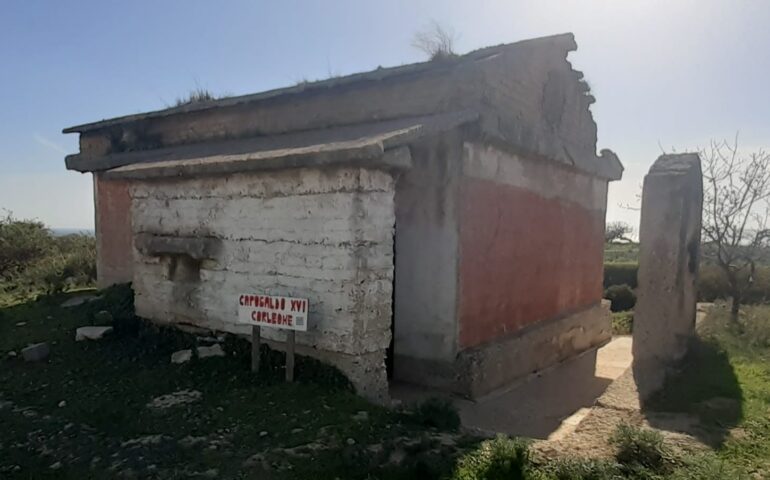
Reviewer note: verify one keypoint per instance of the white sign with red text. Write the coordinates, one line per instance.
(274, 312)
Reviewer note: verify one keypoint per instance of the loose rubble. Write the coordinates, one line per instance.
(180, 397)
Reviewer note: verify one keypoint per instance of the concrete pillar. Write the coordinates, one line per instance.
(669, 252)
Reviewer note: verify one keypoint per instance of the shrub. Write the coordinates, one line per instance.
(579, 469)
(620, 273)
(713, 285)
(22, 242)
(707, 467)
(437, 413)
(33, 260)
(637, 447)
(622, 323)
(499, 459)
(622, 298)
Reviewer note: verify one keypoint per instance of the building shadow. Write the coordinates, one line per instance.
(702, 398)
(534, 407)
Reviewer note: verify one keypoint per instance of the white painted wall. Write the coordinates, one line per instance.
(326, 235)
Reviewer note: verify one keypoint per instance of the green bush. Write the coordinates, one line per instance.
(500, 459)
(437, 413)
(69, 263)
(712, 282)
(708, 467)
(713, 285)
(33, 260)
(622, 298)
(620, 273)
(641, 449)
(22, 243)
(579, 469)
(622, 323)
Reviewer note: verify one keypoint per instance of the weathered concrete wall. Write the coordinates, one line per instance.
(426, 263)
(531, 349)
(114, 247)
(531, 243)
(326, 235)
(669, 254)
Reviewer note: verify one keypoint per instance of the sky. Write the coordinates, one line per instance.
(666, 74)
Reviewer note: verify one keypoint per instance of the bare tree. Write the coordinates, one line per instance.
(617, 232)
(736, 208)
(436, 42)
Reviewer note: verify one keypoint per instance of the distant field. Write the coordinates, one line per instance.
(60, 232)
(621, 252)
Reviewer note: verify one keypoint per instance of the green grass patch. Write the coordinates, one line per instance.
(85, 410)
(84, 413)
(622, 323)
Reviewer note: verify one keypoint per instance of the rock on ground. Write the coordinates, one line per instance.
(37, 352)
(79, 300)
(212, 351)
(181, 356)
(91, 333)
(173, 399)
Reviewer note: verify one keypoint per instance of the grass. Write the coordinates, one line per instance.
(84, 413)
(621, 252)
(622, 322)
(85, 410)
(725, 382)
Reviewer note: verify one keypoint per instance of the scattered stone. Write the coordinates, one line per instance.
(351, 441)
(181, 397)
(181, 356)
(62, 404)
(143, 441)
(103, 316)
(79, 300)
(208, 340)
(20, 324)
(397, 457)
(55, 466)
(257, 460)
(361, 416)
(212, 351)
(298, 430)
(91, 333)
(375, 448)
(37, 352)
(211, 473)
(191, 441)
(263, 433)
(12, 354)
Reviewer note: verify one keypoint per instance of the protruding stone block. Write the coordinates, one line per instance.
(669, 252)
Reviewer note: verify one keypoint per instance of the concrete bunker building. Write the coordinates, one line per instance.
(445, 219)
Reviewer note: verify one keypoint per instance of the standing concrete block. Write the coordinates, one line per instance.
(669, 252)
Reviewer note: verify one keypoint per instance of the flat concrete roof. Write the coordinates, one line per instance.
(372, 144)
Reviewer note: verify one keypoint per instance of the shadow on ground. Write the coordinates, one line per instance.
(702, 398)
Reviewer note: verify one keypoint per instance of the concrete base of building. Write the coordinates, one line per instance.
(479, 371)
